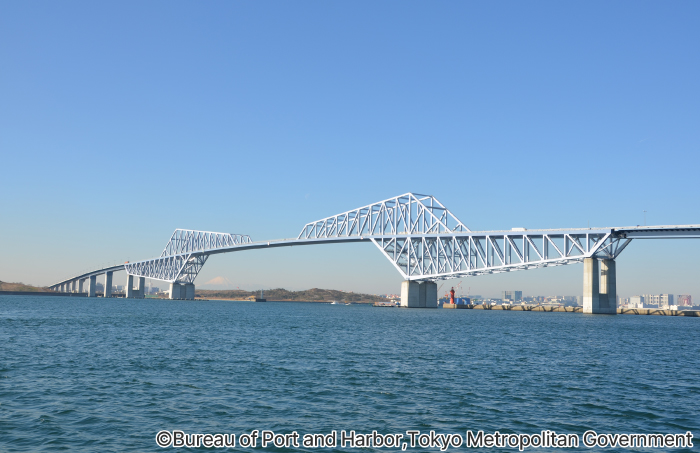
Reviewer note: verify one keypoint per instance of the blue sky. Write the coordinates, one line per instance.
(121, 121)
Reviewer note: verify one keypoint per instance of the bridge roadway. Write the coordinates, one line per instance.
(421, 238)
(646, 232)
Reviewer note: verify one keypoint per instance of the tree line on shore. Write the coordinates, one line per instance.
(281, 294)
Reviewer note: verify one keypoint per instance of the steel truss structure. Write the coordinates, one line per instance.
(418, 234)
(439, 257)
(188, 241)
(406, 214)
(184, 255)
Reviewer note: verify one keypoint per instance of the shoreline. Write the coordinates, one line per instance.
(539, 308)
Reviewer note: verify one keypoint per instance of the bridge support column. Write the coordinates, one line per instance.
(141, 293)
(189, 291)
(419, 295)
(591, 292)
(129, 287)
(92, 286)
(175, 290)
(80, 285)
(594, 300)
(410, 297)
(429, 292)
(608, 287)
(108, 284)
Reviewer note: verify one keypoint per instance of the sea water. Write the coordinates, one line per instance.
(95, 375)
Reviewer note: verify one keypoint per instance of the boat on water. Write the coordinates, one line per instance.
(335, 302)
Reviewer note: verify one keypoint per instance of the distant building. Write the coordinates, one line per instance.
(659, 300)
(685, 300)
(636, 302)
(513, 296)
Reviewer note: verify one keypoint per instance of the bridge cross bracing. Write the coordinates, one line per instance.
(422, 239)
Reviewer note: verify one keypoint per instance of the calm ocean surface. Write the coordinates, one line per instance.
(89, 375)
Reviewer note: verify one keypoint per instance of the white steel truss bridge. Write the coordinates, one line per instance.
(423, 240)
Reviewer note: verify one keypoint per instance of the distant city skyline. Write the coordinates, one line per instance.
(245, 118)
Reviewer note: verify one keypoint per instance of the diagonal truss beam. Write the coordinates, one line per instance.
(188, 241)
(185, 254)
(409, 213)
(445, 256)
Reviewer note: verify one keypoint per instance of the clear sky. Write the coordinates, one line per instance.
(121, 121)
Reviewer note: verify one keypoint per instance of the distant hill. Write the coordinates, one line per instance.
(4, 286)
(280, 294)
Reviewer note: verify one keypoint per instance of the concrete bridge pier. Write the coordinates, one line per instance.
(182, 291)
(80, 285)
(409, 294)
(108, 284)
(92, 286)
(599, 291)
(189, 291)
(608, 287)
(418, 295)
(428, 296)
(141, 293)
(175, 290)
(129, 287)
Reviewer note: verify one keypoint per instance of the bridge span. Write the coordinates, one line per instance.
(422, 239)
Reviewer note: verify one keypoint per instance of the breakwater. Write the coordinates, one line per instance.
(620, 311)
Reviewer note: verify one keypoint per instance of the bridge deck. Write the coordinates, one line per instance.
(631, 232)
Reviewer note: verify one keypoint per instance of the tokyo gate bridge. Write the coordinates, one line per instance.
(422, 239)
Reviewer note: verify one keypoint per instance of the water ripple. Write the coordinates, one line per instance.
(92, 375)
